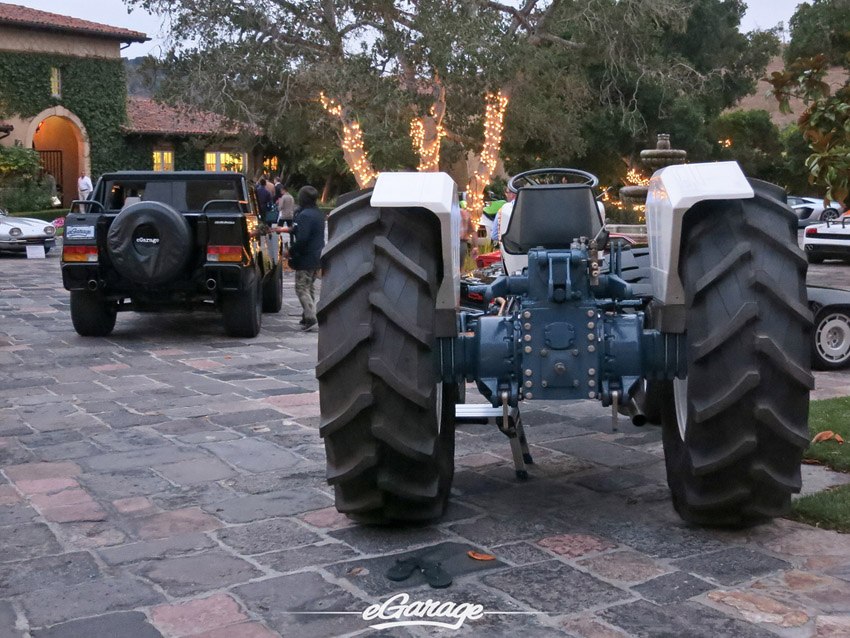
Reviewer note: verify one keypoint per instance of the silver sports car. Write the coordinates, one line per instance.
(16, 233)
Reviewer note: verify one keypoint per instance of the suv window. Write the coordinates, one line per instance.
(186, 195)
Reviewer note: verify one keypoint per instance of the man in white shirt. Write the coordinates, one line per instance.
(84, 187)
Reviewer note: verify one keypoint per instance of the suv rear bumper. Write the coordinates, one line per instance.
(216, 278)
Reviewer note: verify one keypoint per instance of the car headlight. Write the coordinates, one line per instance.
(15, 232)
(49, 231)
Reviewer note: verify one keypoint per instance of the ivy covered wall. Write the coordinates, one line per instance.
(96, 91)
(93, 89)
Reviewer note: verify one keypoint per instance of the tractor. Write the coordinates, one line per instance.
(705, 333)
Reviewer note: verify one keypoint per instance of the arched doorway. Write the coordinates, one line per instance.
(63, 146)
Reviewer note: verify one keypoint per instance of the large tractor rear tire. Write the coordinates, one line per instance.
(735, 429)
(387, 419)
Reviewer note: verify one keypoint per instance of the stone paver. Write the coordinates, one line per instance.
(731, 566)
(574, 545)
(672, 588)
(47, 571)
(170, 481)
(197, 616)
(629, 567)
(87, 599)
(122, 624)
(266, 536)
(187, 575)
(175, 523)
(555, 587)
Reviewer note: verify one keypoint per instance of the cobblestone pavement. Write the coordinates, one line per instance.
(168, 481)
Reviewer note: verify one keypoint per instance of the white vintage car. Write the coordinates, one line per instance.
(829, 240)
(16, 233)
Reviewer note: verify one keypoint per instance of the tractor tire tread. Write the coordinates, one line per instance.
(389, 454)
(748, 362)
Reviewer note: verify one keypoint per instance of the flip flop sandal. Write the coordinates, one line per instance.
(403, 569)
(435, 575)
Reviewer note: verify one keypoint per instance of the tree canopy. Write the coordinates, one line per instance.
(819, 40)
(822, 27)
(586, 82)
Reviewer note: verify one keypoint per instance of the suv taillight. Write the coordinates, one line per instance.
(224, 253)
(79, 253)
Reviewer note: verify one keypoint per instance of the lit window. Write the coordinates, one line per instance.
(163, 160)
(55, 82)
(224, 161)
(270, 164)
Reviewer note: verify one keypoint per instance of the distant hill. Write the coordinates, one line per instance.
(757, 101)
(141, 72)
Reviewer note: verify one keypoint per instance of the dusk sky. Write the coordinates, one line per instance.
(761, 14)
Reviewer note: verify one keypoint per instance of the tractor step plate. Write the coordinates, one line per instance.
(476, 412)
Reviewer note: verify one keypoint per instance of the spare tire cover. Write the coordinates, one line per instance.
(149, 243)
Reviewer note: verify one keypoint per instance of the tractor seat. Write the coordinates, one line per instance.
(551, 216)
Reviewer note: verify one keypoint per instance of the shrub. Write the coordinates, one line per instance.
(23, 194)
(19, 185)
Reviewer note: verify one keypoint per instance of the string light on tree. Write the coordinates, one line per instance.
(494, 116)
(329, 105)
(352, 145)
(429, 155)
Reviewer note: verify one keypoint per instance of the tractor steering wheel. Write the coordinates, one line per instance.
(589, 179)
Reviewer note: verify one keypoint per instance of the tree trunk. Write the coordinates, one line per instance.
(427, 133)
(326, 191)
(483, 165)
(352, 144)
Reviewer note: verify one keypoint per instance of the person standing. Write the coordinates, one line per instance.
(503, 217)
(84, 187)
(264, 199)
(285, 207)
(308, 239)
(50, 184)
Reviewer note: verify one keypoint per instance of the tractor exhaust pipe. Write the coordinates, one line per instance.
(92, 285)
(211, 284)
(635, 413)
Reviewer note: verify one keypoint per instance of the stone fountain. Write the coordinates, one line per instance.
(652, 159)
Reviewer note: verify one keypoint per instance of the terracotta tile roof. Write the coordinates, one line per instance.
(16, 15)
(149, 117)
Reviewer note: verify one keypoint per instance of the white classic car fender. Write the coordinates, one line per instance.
(673, 191)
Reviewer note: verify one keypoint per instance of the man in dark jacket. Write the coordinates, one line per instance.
(308, 239)
(264, 199)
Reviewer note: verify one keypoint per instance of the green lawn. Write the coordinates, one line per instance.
(830, 414)
(829, 509)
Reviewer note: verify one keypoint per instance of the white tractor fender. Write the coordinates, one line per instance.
(437, 193)
(673, 191)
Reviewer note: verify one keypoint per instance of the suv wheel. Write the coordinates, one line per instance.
(92, 314)
(243, 310)
(273, 290)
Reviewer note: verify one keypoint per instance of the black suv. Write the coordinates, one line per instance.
(187, 240)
